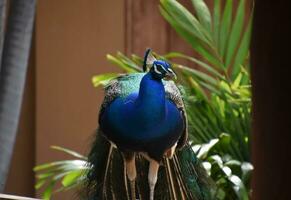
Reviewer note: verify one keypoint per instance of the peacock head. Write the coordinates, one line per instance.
(162, 70)
(159, 69)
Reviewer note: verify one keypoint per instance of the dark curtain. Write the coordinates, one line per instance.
(2, 25)
(270, 59)
(14, 61)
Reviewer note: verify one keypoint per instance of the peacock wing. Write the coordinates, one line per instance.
(173, 93)
(121, 86)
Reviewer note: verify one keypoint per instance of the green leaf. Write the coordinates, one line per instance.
(71, 178)
(39, 184)
(196, 44)
(239, 187)
(243, 49)
(184, 31)
(119, 63)
(185, 18)
(204, 65)
(225, 27)
(62, 163)
(237, 81)
(202, 150)
(224, 140)
(199, 74)
(44, 175)
(138, 60)
(68, 151)
(48, 191)
(198, 89)
(129, 63)
(216, 159)
(209, 87)
(231, 163)
(103, 79)
(225, 87)
(203, 14)
(48, 165)
(236, 32)
(246, 168)
(216, 21)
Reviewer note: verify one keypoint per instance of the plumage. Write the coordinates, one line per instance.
(181, 177)
(140, 136)
(143, 115)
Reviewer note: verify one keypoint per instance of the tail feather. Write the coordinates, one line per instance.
(118, 177)
(97, 160)
(182, 177)
(107, 175)
(195, 179)
(170, 179)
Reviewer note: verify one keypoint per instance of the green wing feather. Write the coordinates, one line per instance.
(126, 84)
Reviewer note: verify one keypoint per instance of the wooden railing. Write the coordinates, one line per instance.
(8, 196)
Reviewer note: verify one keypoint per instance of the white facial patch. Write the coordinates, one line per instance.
(156, 70)
(170, 70)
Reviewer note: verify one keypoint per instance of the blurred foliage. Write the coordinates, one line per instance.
(216, 92)
(70, 173)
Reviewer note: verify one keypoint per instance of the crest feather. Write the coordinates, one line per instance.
(148, 59)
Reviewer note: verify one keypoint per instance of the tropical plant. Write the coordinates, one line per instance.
(71, 173)
(216, 92)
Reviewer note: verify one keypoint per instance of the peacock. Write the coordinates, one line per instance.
(141, 148)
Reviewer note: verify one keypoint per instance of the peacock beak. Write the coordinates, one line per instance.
(171, 75)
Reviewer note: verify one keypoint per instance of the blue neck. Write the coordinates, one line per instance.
(150, 104)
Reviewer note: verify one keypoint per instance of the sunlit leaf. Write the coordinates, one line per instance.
(236, 32)
(239, 187)
(198, 89)
(120, 63)
(48, 191)
(103, 79)
(199, 74)
(39, 184)
(186, 32)
(68, 151)
(46, 166)
(45, 175)
(71, 178)
(129, 63)
(242, 49)
(203, 14)
(185, 18)
(204, 65)
(202, 150)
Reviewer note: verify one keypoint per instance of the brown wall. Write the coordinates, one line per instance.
(72, 39)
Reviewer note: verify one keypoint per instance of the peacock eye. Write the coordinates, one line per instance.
(157, 69)
(160, 68)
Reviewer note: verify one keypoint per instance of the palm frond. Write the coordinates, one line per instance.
(70, 173)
